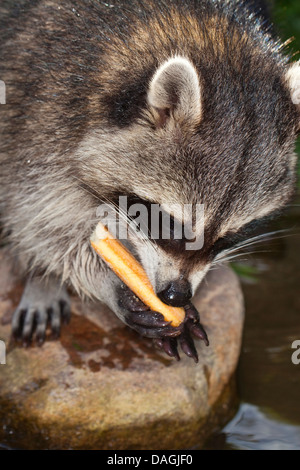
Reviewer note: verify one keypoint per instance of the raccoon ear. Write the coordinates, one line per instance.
(293, 79)
(175, 89)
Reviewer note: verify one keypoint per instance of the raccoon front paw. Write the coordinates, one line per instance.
(152, 325)
(143, 320)
(41, 306)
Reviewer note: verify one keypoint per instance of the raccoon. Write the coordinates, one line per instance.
(166, 101)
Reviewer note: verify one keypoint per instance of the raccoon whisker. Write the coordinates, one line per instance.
(125, 217)
(263, 236)
(257, 242)
(93, 193)
(238, 255)
(88, 189)
(254, 241)
(267, 235)
(121, 213)
(235, 254)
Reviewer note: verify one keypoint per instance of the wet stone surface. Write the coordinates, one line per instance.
(101, 386)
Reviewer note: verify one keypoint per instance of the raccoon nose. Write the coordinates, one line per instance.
(177, 294)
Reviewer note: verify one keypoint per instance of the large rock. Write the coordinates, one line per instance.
(103, 387)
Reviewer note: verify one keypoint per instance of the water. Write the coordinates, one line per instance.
(268, 381)
(254, 428)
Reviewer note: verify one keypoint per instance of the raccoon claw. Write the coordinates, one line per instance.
(197, 330)
(188, 346)
(191, 327)
(40, 332)
(169, 346)
(191, 313)
(22, 325)
(36, 312)
(34, 322)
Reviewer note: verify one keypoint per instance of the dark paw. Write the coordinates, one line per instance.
(31, 322)
(143, 320)
(153, 325)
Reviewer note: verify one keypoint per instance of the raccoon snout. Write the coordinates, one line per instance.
(177, 294)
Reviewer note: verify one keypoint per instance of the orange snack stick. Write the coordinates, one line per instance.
(127, 268)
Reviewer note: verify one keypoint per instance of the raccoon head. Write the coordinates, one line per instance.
(221, 135)
(233, 151)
